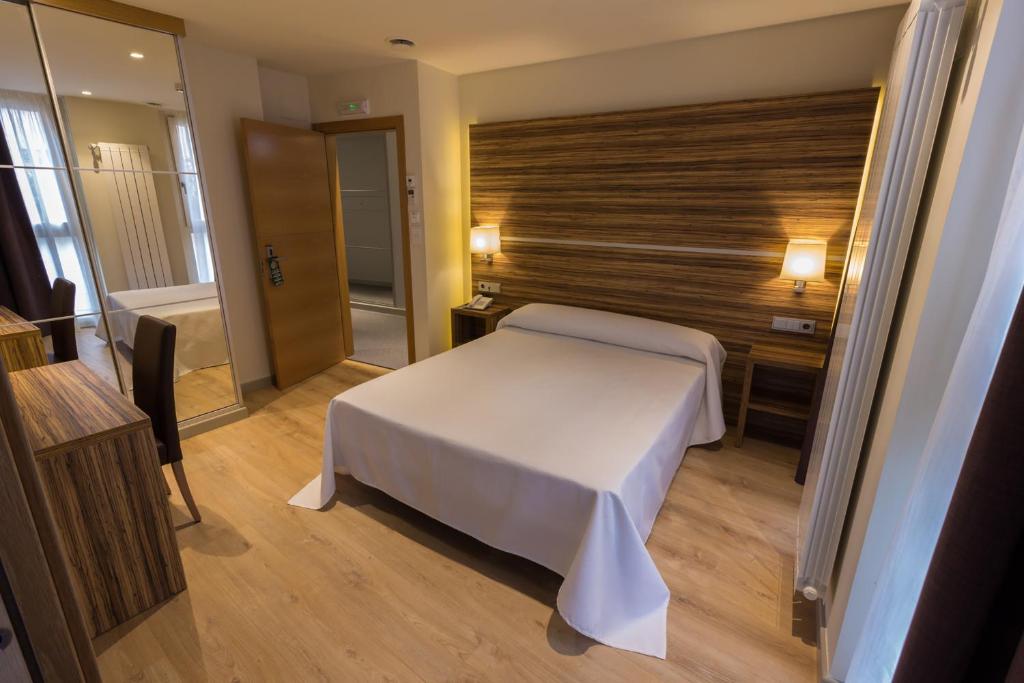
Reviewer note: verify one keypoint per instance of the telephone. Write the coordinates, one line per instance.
(479, 302)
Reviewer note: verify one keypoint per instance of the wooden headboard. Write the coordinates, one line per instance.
(679, 213)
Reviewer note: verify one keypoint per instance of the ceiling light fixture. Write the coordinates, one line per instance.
(401, 43)
(136, 55)
(87, 93)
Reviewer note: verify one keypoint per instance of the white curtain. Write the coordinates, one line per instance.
(198, 247)
(918, 77)
(32, 137)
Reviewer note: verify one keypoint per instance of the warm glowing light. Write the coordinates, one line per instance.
(87, 92)
(804, 262)
(136, 55)
(484, 239)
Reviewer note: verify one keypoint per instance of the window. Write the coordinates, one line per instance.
(32, 138)
(198, 248)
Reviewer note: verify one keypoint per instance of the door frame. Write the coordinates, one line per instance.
(376, 124)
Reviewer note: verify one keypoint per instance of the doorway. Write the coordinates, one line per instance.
(370, 188)
(295, 196)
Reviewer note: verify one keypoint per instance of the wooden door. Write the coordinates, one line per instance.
(293, 221)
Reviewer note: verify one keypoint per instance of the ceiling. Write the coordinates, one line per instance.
(88, 54)
(465, 36)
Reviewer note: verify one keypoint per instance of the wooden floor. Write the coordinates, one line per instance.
(372, 590)
(195, 393)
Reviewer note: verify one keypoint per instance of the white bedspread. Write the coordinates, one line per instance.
(193, 309)
(551, 446)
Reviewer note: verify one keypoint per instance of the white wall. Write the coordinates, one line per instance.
(394, 89)
(835, 53)
(442, 200)
(953, 241)
(224, 88)
(284, 97)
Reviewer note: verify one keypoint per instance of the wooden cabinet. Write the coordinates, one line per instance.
(763, 355)
(97, 462)
(469, 324)
(21, 342)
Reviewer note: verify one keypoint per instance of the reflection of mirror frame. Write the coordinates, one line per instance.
(175, 29)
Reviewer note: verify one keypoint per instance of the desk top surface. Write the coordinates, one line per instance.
(13, 324)
(65, 405)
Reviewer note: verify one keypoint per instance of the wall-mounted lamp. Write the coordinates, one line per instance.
(486, 240)
(804, 262)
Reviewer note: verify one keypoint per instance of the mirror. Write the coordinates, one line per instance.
(134, 173)
(20, 68)
(41, 232)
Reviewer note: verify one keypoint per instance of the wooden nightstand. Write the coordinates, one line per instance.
(469, 324)
(775, 357)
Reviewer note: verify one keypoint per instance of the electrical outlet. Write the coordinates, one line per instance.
(489, 287)
(795, 325)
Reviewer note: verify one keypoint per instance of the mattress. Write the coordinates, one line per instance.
(555, 438)
(193, 309)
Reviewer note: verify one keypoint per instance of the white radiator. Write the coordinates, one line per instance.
(914, 96)
(133, 202)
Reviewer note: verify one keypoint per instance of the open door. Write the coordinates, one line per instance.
(294, 232)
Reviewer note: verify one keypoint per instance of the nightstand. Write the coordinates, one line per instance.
(469, 324)
(762, 355)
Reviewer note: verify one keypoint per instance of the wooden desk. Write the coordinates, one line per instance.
(21, 342)
(775, 357)
(98, 464)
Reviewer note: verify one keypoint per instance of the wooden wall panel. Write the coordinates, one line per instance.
(735, 177)
(696, 290)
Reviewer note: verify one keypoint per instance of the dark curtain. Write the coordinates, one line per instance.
(969, 621)
(24, 284)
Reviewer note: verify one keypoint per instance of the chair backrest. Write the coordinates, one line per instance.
(153, 381)
(62, 305)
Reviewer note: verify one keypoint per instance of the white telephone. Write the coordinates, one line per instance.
(479, 302)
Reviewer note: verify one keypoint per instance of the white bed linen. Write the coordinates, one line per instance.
(556, 448)
(193, 309)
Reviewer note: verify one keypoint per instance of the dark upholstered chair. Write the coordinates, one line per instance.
(62, 305)
(153, 386)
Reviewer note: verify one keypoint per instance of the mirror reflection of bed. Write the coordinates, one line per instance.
(143, 230)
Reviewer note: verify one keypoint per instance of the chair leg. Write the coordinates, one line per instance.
(179, 476)
(163, 480)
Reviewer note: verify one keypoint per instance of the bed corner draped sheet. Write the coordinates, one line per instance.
(588, 415)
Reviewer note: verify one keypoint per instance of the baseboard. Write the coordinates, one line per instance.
(218, 418)
(257, 384)
(824, 665)
(378, 308)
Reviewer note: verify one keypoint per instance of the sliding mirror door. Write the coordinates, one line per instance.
(121, 97)
(41, 240)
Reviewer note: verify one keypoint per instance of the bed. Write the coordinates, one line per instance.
(193, 309)
(554, 438)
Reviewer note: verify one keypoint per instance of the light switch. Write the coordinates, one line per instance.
(794, 325)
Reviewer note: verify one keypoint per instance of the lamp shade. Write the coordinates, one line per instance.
(804, 261)
(484, 239)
